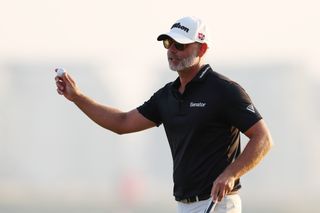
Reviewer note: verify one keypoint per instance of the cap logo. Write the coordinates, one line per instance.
(179, 26)
(201, 36)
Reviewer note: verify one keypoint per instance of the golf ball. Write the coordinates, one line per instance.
(60, 72)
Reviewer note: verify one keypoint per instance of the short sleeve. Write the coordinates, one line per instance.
(240, 111)
(150, 110)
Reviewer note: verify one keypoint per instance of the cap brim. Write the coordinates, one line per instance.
(175, 36)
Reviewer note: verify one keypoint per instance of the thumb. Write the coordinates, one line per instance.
(67, 78)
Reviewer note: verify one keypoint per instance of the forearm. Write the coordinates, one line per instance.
(105, 116)
(252, 155)
(258, 146)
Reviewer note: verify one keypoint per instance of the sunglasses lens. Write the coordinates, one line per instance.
(179, 46)
(167, 43)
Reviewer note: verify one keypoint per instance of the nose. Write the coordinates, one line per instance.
(172, 48)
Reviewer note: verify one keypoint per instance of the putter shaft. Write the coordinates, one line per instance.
(212, 204)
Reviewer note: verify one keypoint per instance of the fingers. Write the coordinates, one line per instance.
(221, 187)
(69, 79)
(60, 85)
(66, 86)
(217, 193)
(60, 92)
(63, 80)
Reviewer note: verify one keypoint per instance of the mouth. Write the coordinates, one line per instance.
(172, 58)
(173, 61)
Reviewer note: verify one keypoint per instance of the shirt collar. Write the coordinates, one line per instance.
(201, 75)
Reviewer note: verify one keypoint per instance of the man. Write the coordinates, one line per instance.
(203, 113)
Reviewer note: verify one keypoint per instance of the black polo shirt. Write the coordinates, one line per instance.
(202, 126)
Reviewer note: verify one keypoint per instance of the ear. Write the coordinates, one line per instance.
(203, 49)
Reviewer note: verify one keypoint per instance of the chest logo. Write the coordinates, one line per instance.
(197, 104)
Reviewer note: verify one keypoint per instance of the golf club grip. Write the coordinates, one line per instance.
(210, 207)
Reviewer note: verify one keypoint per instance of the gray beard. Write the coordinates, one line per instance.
(184, 63)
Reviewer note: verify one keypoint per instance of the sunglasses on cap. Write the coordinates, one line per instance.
(168, 42)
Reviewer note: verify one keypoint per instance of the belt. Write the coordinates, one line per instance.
(200, 197)
(193, 199)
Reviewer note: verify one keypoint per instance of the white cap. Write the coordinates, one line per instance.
(187, 30)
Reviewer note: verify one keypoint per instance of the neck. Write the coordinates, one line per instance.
(188, 74)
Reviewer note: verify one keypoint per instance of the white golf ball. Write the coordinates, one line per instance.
(60, 72)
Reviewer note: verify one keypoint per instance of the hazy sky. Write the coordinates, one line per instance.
(118, 31)
(120, 36)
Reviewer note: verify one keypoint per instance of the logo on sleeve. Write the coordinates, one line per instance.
(251, 108)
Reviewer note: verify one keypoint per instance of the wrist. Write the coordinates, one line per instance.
(230, 173)
(77, 97)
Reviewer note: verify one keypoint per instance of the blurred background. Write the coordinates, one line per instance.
(54, 159)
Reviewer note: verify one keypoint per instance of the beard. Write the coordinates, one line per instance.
(182, 63)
